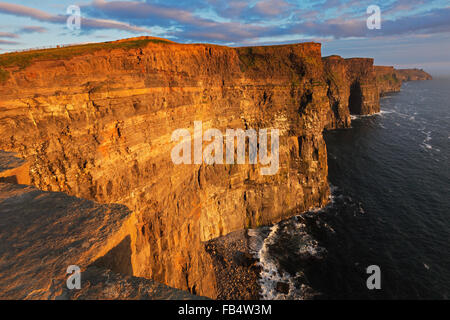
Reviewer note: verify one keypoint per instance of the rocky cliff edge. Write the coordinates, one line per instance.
(95, 122)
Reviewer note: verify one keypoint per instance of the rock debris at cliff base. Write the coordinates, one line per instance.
(95, 122)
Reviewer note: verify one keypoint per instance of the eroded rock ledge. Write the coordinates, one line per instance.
(42, 233)
(95, 122)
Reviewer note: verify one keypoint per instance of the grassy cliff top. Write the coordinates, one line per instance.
(23, 59)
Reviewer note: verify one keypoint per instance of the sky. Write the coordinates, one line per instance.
(413, 33)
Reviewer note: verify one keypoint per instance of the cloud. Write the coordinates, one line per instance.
(237, 22)
(428, 22)
(33, 29)
(144, 13)
(8, 35)
(248, 21)
(23, 11)
(111, 24)
(192, 27)
(271, 7)
(433, 21)
(8, 42)
(230, 9)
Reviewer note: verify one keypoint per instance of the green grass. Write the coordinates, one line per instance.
(24, 59)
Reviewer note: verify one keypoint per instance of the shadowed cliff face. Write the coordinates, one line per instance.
(98, 125)
(363, 90)
(352, 89)
(338, 81)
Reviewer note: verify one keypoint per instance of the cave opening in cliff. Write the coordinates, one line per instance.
(355, 99)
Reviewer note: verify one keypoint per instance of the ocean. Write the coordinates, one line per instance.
(390, 206)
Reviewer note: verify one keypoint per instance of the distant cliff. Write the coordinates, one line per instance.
(355, 86)
(95, 122)
(352, 89)
(412, 75)
(387, 80)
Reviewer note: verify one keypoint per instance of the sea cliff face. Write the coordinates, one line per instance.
(352, 89)
(387, 80)
(96, 123)
(412, 75)
(99, 125)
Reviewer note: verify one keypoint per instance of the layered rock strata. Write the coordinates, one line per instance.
(96, 121)
(352, 89)
(43, 233)
(99, 125)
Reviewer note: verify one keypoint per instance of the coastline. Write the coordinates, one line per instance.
(103, 141)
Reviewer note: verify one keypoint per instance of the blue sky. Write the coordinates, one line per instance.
(414, 33)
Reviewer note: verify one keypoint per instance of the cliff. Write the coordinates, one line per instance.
(95, 122)
(412, 75)
(355, 86)
(387, 80)
(337, 77)
(352, 89)
(42, 233)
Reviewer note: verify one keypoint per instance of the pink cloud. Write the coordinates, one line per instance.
(8, 35)
(24, 11)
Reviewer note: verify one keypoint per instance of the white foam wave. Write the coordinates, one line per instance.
(361, 116)
(271, 275)
(425, 143)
